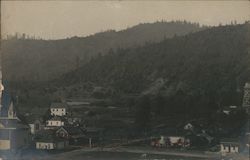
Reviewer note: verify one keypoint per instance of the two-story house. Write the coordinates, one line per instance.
(58, 109)
(54, 122)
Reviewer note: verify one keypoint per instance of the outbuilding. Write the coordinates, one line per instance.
(49, 143)
(230, 146)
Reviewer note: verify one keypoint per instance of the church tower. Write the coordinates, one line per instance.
(246, 98)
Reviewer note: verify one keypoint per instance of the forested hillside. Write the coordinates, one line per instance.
(41, 60)
(201, 71)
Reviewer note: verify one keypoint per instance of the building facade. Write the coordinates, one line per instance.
(229, 146)
(58, 109)
(51, 144)
(55, 122)
(14, 134)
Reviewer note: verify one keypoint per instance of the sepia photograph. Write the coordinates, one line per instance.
(125, 80)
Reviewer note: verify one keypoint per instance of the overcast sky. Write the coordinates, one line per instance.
(60, 19)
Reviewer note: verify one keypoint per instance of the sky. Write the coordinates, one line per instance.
(64, 18)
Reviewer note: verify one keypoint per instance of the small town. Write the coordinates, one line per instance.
(124, 80)
(61, 130)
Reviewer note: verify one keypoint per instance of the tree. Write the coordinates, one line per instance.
(47, 115)
(158, 105)
(143, 113)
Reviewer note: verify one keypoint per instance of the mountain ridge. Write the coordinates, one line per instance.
(208, 66)
(42, 60)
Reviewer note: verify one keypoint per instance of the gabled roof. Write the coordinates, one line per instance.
(47, 136)
(46, 132)
(56, 118)
(234, 141)
(12, 124)
(72, 131)
(58, 105)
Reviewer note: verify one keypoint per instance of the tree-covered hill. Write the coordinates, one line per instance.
(30, 59)
(203, 70)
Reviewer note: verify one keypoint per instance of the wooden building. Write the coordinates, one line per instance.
(58, 109)
(14, 134)
(55, 122)
(229, 146)
(47, 140)
(74, 134)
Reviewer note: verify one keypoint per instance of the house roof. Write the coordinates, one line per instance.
(205, 135)
(229, 108)
(33, 118)
(56, 118)
(45, 136)
(71, 130)
(93, 129)
(168, 131)
(50, 139)
(58, 105)
(14, 123)
(46, 132)
(227, 141)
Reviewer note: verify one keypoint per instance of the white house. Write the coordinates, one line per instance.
(176, 140)
(50, 144)
(229, 146)
(45, 145)
(171, 141)
(55, 122)
(58, 109)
